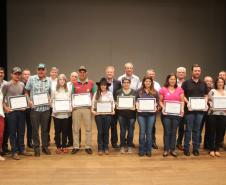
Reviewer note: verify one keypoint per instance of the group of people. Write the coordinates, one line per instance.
(173, 101)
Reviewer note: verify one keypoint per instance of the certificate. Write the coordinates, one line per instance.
(81, 100)
(197, 103)
(18, 102)
(219, 103)
(105, 107)
(62, 105)
(172, 108)
(146, 105)
(40, 99)
(126, 102)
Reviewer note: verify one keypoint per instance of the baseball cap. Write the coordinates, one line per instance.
(82, 68)
(16, 70)
(41, 66)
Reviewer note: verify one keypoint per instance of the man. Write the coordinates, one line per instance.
(181, 75)
(26, 73)
(115, 85)
(54, 72)
(5, 149)
(135, 80)
(209, 83)
(15, 118)
(82, 85)
(73, 79)
(40, 114)
(193, 87)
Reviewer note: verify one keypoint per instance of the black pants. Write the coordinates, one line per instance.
(29, 127)
(216, 130)
(40, 118)
(114, 132)
(61, 130)
(69, 131)
(5, 145)
(49, 124)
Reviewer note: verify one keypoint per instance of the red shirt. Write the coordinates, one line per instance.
(86, 87)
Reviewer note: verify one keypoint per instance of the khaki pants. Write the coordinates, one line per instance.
(77, 116)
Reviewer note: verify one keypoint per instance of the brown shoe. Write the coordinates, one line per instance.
(100, 152)
(106, 152)
(212, 154)
(217, 154)
(65, 150)
(58, 151)
(15, 156)
(180, 147)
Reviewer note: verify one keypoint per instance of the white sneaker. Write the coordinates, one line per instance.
(130, 150)
(2, 158)
(122, 150)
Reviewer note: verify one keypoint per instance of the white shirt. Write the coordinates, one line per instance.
(53, 84)
(2, 83)
(69, 86)
(135, 81)
(1, 105)
(108, 96)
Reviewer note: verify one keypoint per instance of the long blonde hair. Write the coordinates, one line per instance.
(63, 76)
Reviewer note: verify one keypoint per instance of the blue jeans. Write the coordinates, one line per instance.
(170, 124)
(180, 132)
(126, 122)
(103, 123)
(193, 122)
(16, 126)
(146, 124)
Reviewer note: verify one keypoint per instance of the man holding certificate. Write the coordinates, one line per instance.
(195, 91)
(14, 105)
(103, 109)
(82, 92)
(38, 88)
(172, 102)
(126, 98)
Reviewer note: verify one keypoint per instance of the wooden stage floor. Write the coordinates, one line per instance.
(115, 169)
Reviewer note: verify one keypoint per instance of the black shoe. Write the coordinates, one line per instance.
(148, 154)
(30, 145)
(25, 153)
(155, 146)
(141, 154)
(88, 150)
(115, 145)
(37, 152)
(6, 151)
(46, 151)
(74, 150)
(187, 153)
(173, 153)
(195, 153)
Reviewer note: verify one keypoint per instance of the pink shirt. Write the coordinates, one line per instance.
(167, 95)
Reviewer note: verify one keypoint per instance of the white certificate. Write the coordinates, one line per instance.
(18, 102)
(81, 100)
(197, 103)
(40, 99)
(146, 105)
(219, 103)
(105, 107)
(172, 108)
(62, 106)
(126, 102)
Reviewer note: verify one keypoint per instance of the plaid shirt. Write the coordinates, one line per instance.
(35, 85)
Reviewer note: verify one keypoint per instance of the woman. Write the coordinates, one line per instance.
(216, 118)
(127, 117)
(146, 119)
(171, 92)
(60, 118)
(103, 120)
(1, 125)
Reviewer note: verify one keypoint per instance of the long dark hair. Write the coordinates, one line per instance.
(142, 89)
(98, 93)
(217, 80)
(166, 84)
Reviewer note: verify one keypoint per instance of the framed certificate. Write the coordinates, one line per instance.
(62, 105)
(40, 99)
(172, 108)
(105, 107)
(197, 103)
(81, 100)
(219, 103)
(126, 102)
(146, 105)
(18, 102)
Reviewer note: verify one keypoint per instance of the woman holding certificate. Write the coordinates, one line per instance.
(217, 116)
(103, 109)
(146, 107)
(172, 102)
(127, 114)
(61, 102)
